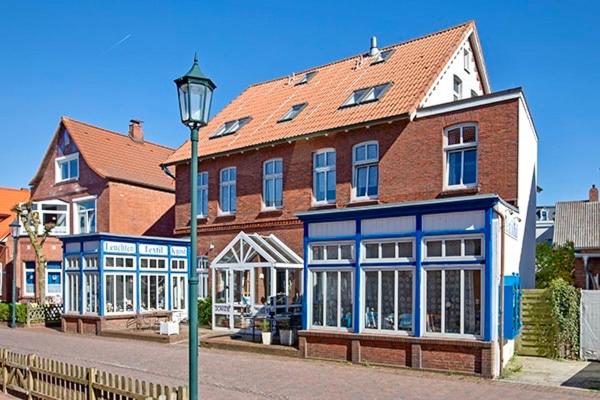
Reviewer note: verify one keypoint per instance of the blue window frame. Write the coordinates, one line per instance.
(227, 200)
(461, 156)
(365, 161)
(202, 194)
(324, 176)
(273, 184)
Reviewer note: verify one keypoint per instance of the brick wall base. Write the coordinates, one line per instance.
(94, 325)
(457, 355)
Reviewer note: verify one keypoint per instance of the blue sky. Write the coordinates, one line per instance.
(107, 62)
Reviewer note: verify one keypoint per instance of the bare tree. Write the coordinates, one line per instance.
(30, 220)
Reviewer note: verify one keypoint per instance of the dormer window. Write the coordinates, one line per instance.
(307, 77)
(231, 127)
(293, 112)
(366, 95)
(382, 56)
(67, 168)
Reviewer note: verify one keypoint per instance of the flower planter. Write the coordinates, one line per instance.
(287, 337)
(266, 337)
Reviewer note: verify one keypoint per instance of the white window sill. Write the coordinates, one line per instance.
(358, 200)
(390, 332)
(226, 214)
(459, 187)
(436, 335)
(68, 180)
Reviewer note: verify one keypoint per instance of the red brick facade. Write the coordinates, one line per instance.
(579, 271)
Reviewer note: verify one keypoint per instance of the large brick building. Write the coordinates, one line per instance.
(94, 180)
(402, 182)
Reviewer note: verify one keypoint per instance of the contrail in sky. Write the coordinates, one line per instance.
(120, 42)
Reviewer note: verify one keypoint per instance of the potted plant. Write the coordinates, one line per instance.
(287, 335)
(265, 327)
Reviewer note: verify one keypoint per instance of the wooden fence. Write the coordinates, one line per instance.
(534, 310)
(44, 314)
(41, 378)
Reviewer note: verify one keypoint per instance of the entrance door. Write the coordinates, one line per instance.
(242, 297)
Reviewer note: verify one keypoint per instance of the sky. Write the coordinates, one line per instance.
(106, 62)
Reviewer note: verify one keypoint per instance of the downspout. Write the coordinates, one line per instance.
(501, 312)
(167, 172)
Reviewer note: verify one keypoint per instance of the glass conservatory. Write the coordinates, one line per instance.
(255, 274)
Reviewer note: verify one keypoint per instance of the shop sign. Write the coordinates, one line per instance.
(512, 227)
(153, 249)
(179, 251)
(119, 247)
(221, 308)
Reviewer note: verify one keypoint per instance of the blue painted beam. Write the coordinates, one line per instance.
(417, 319)
(488, 276)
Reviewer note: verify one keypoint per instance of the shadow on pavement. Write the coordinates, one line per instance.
(587, 378)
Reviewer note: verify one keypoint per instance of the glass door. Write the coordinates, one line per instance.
(242, 297)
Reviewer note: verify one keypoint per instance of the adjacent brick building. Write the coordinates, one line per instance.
(381, 171)
(95, 180)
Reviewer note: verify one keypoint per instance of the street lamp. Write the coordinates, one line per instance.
(194, 91)
(14, 230)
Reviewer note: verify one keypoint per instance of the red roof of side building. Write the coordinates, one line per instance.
(412, 69)
(115, 156)
(8, 199)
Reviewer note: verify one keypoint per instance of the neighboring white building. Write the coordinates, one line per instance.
(544, 223)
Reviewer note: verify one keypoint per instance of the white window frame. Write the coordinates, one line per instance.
(457, 82)
(76, 228)
(443, 268)
(380, 258)
(147, 276)
(462, 257)
(460, 147)
(47, 284)
(228, 184)
(27, 293)
(274, 176)
(149, 259)
(337, 260)
(38, 207)
(366, 95)
(72, 263)
(319, 271)
(467, 60)
(123, 276)
(86, 278)
(203, 288)
(124, 257)
(90, 261)
(72, 282)
(202, 188)
(367, 162)
(324, 170)
(178, 264)
(363, 291)
(172, 292)
(62, 160)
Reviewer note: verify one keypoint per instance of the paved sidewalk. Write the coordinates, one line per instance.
(232, 375)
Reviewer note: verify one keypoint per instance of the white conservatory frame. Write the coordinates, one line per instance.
(247, 252)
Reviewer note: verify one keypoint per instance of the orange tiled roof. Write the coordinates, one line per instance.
(8, 199)
(116, 156)
(412, 68)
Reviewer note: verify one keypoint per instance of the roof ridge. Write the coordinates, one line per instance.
(14, 189)
(115, 132)
(394, 45)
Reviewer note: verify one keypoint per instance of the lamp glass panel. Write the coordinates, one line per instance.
(183, 102)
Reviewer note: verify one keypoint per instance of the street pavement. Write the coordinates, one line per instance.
(230, 375)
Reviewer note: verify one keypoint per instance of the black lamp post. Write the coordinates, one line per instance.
(195, 94)
(14, 230)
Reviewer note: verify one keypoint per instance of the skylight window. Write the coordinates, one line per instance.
(382, 56)
(366, 95)
(292, 112)
(231, 127)
(307, 77)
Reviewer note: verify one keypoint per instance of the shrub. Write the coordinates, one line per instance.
(21, 312)
(205, 311)
(553, 262)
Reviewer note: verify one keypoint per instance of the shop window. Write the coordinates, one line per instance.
(119, 293)
(90, 294)
(153, 290)
(463, 248)
(365, 162)
(153, 263)
(461, 156)
(221, 287)
(388, 250)
(119, 262)
(332, 299)
(72, 292)
(388, 300)
(453, 297)
(322, 253)
(324, 176)
(178, 290)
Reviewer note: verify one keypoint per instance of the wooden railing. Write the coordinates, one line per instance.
(44, 314)
(41, 378)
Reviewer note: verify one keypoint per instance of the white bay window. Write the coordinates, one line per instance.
(119, 293)
(153, 292)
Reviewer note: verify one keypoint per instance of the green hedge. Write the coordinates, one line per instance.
(5, 309)
(205, 312)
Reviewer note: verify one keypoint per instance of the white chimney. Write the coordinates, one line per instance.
(374, 50)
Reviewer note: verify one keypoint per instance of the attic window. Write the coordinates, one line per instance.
(366, 95)
(293, 112)
(231, 127)
(307, 77)
(382, 56)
